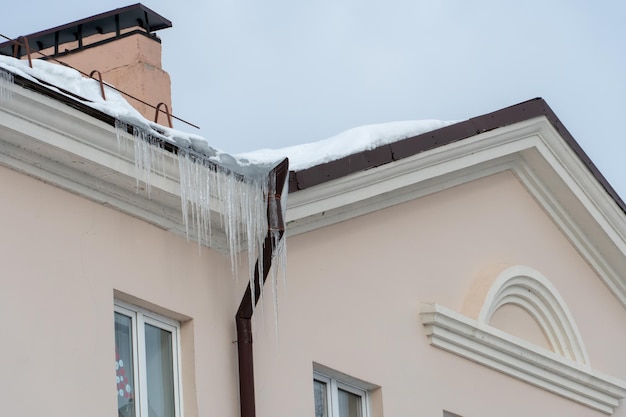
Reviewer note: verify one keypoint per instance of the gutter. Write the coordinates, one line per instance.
(243, 318)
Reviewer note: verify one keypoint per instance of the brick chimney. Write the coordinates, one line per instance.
(121, 44)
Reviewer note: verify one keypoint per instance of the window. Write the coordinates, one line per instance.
(334, 398)
(146, 363)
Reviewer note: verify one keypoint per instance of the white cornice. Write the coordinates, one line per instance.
(532, 150)
(498, 350)
(60, 145)
(70, 149)
(409, 174)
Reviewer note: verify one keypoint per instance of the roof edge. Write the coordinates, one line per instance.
(361, 161)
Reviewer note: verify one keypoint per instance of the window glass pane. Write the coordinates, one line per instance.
(349, 404)
(321, 403)
(124, 367)
(160, 372)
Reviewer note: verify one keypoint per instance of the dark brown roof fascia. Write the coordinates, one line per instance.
(76, 102)
(385, 154)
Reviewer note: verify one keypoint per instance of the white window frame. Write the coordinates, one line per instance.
(140, 317)
(332, 394)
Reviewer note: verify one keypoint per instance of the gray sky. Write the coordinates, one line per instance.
(275, 73)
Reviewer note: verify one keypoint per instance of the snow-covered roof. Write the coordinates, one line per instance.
(247, 203)
(351, 141)
(527, 139)
(70, 82)
(74, 85)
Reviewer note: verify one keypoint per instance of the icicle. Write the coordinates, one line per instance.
(6, 83)
(121, 133)
(280, 258)
(278, 268)
(281, 253)
(195, 202)
(184, 175)
(241, 201)
(147, 155)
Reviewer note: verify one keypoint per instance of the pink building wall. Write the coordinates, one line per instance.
(64, 261)
(353, 295)
(351, 304)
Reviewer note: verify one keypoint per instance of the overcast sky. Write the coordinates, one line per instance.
(268, 74)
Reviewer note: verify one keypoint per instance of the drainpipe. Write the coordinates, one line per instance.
(243, 318)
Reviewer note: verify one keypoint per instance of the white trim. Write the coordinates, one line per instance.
(483, 344)
(532, 150)
(65, 147)
(135, 351)
(523, 286)
(333, 385)
(62, 146)
(139, 318)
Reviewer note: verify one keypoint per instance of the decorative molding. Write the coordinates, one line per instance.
(498, 350)
(528, 289)
(65, 147)
(532, 150)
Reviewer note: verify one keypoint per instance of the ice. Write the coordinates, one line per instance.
(236, 197)
(216, 189)
(279, 267)
(214, 186)
(121, 133)
(6, 82)
(208, 189)
(143, 159)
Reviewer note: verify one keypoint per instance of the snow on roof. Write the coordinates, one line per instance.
(64, 79)
(349, 142)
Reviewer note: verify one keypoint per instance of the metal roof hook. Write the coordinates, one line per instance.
(16, 46)
(167, 112)
(100, 80)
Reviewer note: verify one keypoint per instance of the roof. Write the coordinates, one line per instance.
(385, 154)
(526, 139)
(401, 149)
(112, 21)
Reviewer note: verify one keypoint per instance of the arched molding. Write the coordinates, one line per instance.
(566, 371)
(527, 288)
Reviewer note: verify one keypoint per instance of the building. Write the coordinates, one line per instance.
(477, 269)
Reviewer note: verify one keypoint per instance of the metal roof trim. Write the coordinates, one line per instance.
(127, 17)
(319, 174)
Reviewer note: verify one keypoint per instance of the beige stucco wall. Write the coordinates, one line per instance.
(62, 259)
(351, 304)
(353, 295)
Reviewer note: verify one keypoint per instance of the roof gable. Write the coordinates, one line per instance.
(529, 142)
(459, 131)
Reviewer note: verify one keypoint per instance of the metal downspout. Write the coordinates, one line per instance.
(243, 318)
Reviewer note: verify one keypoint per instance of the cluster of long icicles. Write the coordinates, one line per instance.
(210, 193)
(207, 191)
(6, 83)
